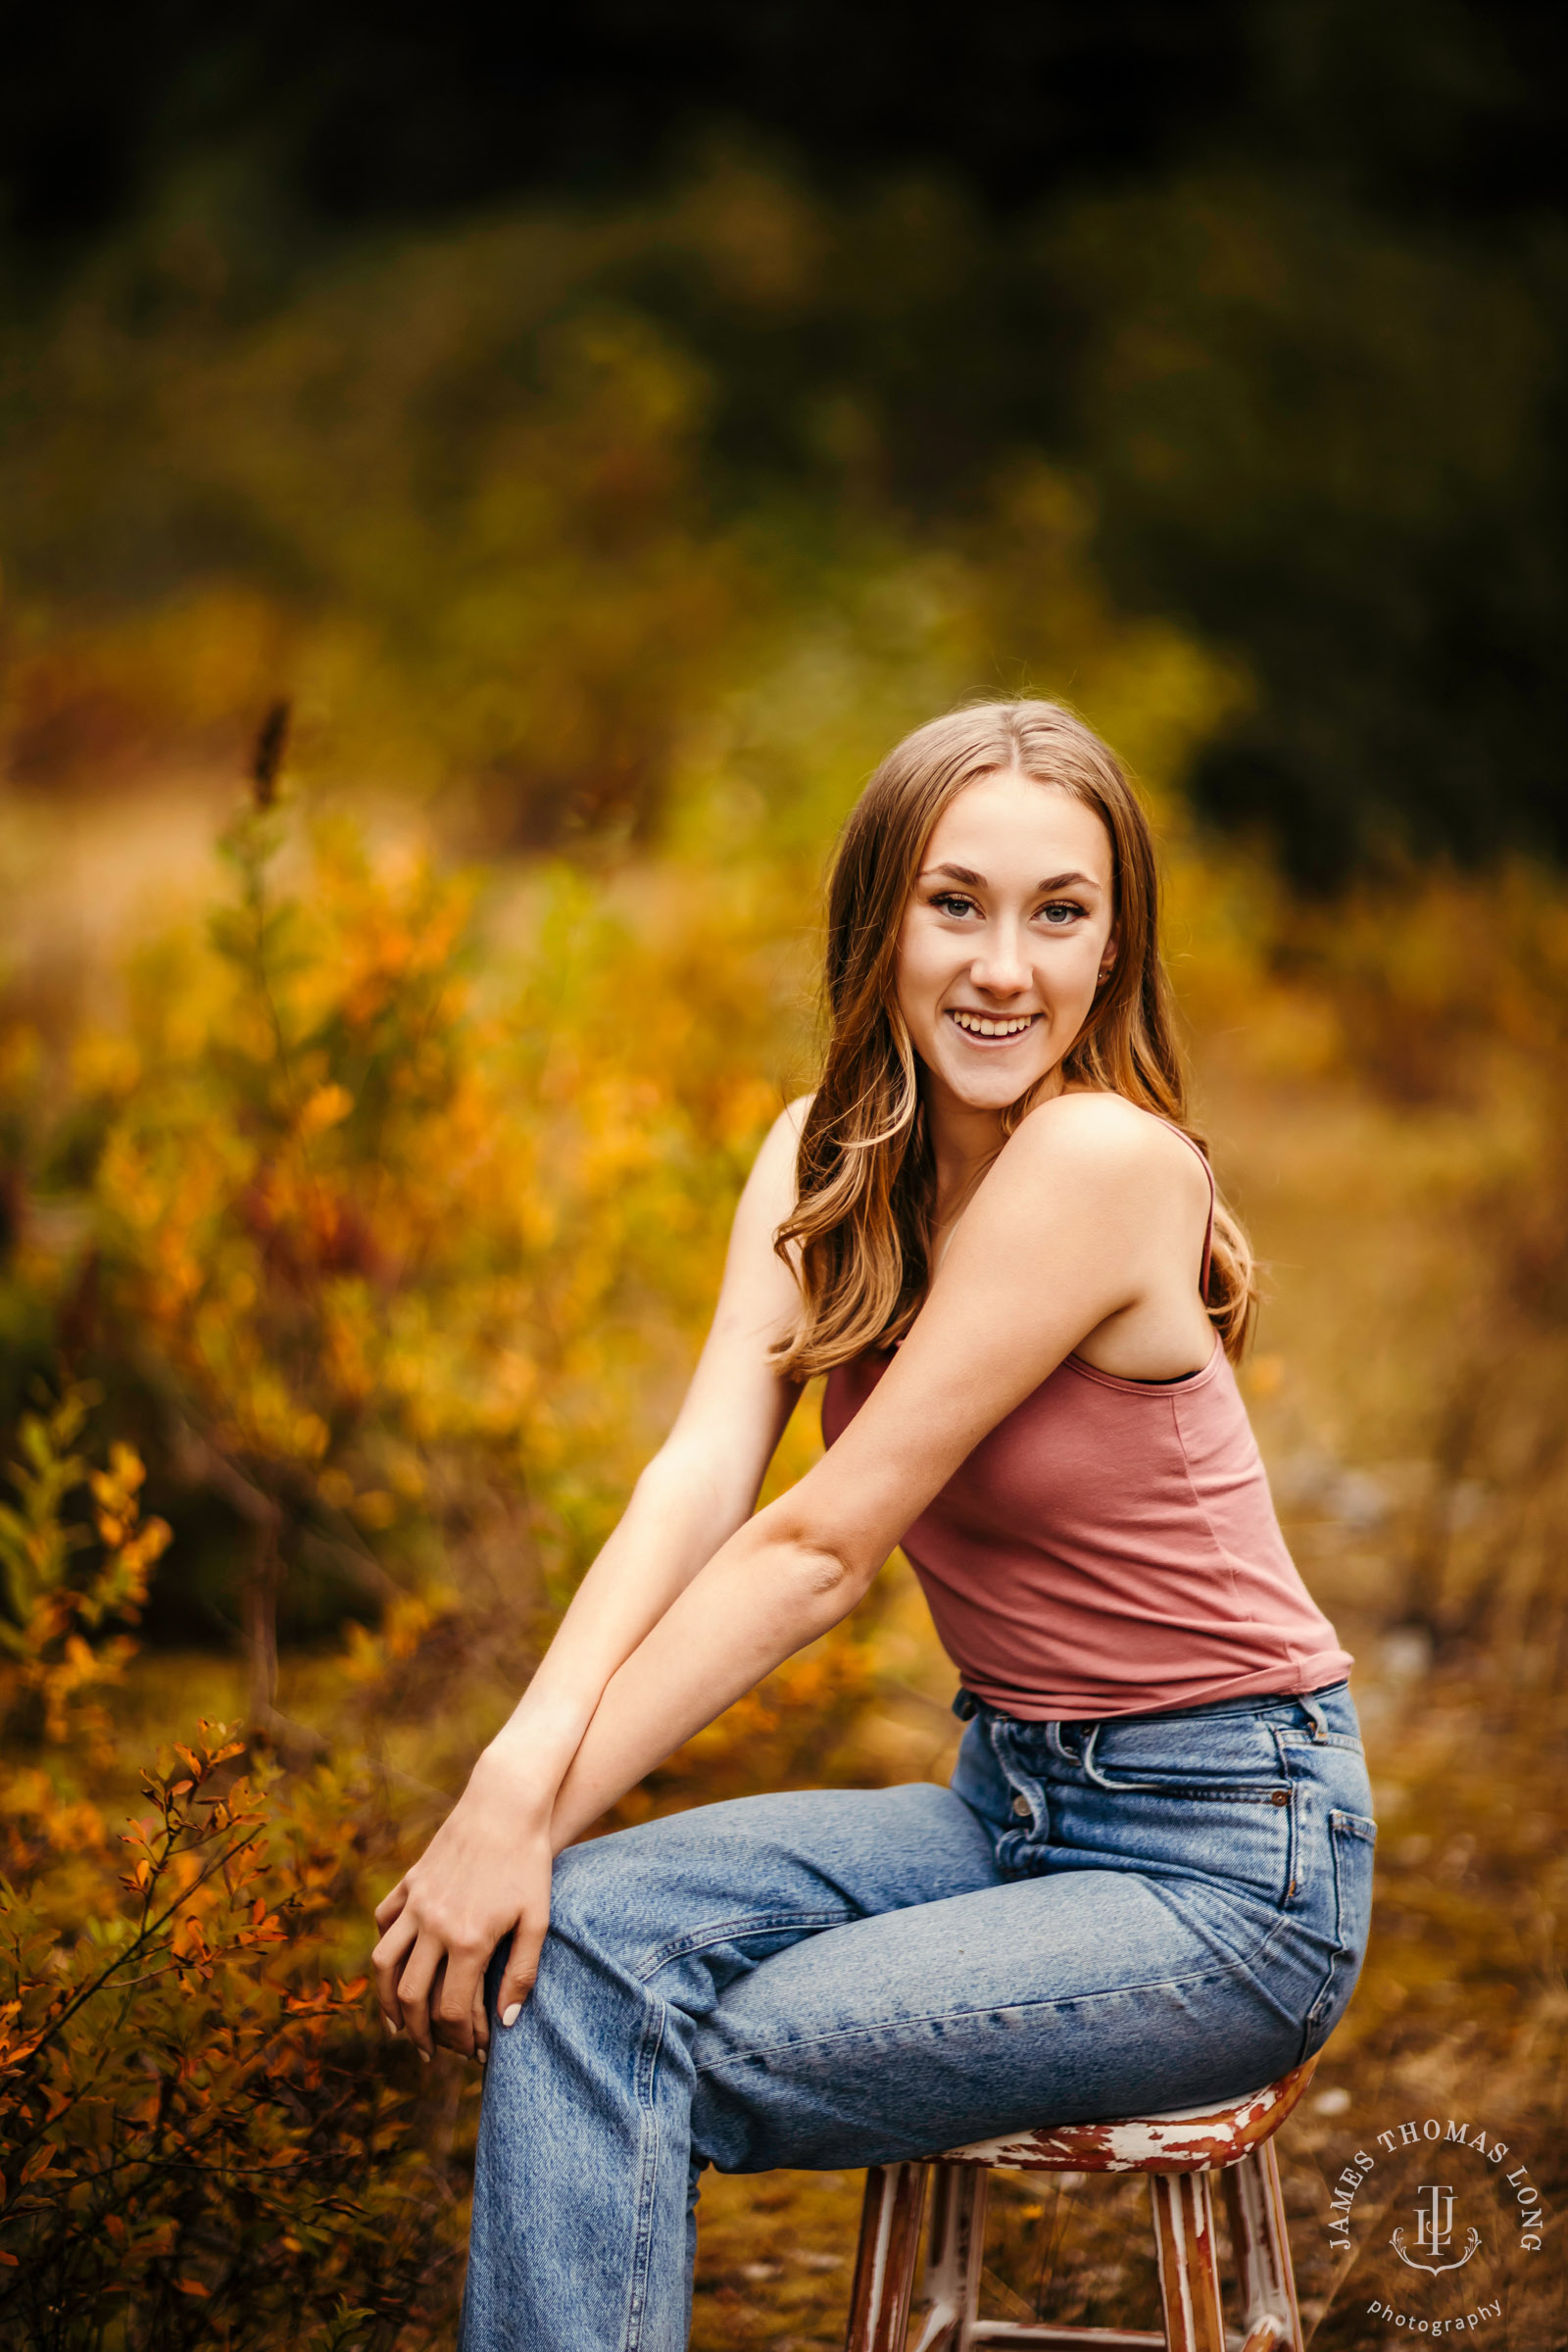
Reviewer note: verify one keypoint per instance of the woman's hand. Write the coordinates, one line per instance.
(484, 1875)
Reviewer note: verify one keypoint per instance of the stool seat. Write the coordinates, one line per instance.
(1186, 2140)
(1181, 2151)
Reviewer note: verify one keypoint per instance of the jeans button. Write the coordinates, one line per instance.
(1021, 1805)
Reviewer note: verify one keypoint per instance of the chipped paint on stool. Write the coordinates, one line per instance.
(1194, 2139)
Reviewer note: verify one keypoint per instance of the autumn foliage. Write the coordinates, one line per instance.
(384, 1243)
(195, 2149)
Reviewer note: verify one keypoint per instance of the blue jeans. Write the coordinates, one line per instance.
(1096, 1919)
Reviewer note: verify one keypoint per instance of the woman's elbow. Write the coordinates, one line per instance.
(833, 1573)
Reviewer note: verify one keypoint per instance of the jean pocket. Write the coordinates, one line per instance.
(1352, 1839)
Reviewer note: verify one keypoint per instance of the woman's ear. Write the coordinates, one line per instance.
(1107, 961)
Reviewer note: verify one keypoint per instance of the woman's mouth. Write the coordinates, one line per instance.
(996, 1028)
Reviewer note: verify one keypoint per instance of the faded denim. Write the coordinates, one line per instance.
(1096, 1919)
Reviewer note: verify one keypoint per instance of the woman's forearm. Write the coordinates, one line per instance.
(676, 1520)
(764, 1594)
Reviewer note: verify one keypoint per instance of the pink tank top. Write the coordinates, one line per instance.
(1110, 1548)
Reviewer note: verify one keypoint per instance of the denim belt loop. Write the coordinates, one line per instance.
(1091, 1770)
(965, 1705)
(1314, 1715)
(1093, 1773)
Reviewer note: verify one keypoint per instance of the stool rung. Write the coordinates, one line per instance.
(1085, 2340)
(1183, 2154)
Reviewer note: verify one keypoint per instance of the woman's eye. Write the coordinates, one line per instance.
(950, 902)
(1061, 911)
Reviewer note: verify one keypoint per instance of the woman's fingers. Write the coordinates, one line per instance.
(441, 1922)
(391, 1905)
(453, 2000)
(387, 1961)
(523, 1966)
(414, 1986)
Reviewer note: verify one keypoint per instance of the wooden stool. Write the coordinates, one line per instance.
(1180, 2153)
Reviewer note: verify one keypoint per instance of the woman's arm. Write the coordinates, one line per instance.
(1085, 1215)
(487, 1869)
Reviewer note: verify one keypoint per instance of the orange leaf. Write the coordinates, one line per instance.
(192, 2286)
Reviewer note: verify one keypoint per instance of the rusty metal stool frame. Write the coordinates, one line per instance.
(1181, 2153)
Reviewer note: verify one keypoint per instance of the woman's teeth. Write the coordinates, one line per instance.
(979, 1025)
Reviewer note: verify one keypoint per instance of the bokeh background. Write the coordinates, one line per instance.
(476, 498)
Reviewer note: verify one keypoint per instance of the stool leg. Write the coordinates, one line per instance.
(1189, 2270)
(958, 2243)
(1256, 2205)
(884, 2266)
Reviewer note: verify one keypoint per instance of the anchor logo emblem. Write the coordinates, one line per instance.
(1433, 2233)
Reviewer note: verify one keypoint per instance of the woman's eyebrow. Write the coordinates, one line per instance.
(973, 881)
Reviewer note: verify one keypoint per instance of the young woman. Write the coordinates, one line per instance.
(1148, 1882)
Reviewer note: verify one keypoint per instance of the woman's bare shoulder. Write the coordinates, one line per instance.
(783, 1139)
(770, 1186)
(1092, 1135)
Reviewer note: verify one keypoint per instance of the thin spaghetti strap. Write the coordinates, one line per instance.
(1209, 1230)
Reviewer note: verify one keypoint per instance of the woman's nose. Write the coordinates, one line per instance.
(1001, 967)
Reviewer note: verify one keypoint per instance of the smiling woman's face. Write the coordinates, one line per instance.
(1004, 937)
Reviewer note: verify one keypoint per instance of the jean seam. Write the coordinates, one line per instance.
(1221, 1796)
(763, 1923)
(1076, 2001)
(1265, 1704)
(649, 2045)
(1345, 1824)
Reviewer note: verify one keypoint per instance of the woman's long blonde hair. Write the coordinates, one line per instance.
(859, 1233)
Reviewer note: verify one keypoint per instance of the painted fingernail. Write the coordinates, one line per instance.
(425, 2055)
(390, 2026)
(484, 2057)
(510, 2015)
